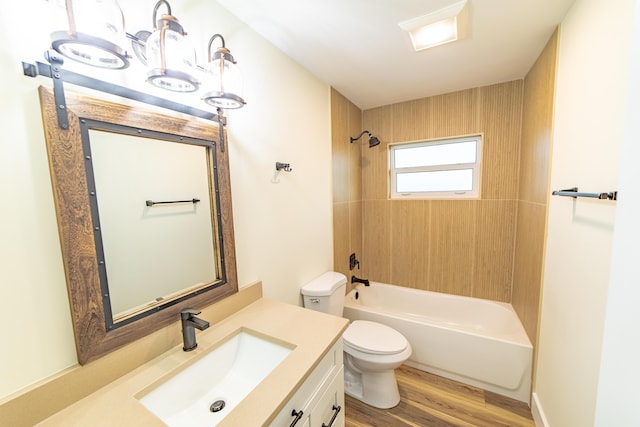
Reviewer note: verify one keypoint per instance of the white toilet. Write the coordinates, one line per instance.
(371, 350)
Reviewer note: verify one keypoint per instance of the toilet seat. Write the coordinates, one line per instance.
(374, 338)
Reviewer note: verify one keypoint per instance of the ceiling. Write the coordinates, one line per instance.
(357, 47)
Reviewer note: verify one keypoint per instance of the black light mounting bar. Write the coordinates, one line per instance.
(59, 76)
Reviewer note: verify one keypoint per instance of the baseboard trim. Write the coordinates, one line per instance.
(538, 414)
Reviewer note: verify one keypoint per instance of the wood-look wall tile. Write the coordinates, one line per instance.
(341, 237)
(458, 247)
(501, 111)
(452, 239)
(454, 114)
(375, 160)
(346, 120)
(340, 148)
(442, 116)
(411, 120)
(537, 122)
(379, 122)
(495, 236)
(409, 243)
(355, 153)
(527, 278)
(376, 245)
(355, 226)
(539, 89)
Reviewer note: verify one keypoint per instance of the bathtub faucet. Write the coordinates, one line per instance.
(355, 279)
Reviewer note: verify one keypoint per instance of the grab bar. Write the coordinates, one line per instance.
(573, 192)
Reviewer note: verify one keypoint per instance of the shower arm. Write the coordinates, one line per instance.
(360, 136)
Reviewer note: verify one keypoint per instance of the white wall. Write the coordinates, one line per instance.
(283, 230)
(618, 391)
(593, 75)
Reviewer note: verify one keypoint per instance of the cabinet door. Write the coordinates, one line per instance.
(305, 397)
(329, 411)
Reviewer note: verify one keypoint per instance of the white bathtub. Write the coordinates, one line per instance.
(474, 341)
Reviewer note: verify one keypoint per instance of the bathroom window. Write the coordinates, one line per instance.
(437, 169)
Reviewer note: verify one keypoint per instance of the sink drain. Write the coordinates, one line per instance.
(217, 406)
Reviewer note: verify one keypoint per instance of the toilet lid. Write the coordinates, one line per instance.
(374, 338)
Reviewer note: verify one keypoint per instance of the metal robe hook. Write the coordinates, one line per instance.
(283, 166)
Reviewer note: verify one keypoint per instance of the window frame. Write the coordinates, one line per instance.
(476, 167)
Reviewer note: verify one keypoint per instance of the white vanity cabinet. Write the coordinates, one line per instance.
(319, 401)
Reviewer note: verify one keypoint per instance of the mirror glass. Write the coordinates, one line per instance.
(143, 203)
(153, 215)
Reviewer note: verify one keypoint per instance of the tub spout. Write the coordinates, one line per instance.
(355, 279)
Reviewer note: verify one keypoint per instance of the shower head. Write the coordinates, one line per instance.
(373, 140)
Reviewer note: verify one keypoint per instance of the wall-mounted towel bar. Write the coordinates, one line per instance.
(151, 202)
(573, 192)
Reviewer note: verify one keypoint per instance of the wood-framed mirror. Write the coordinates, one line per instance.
(143, 203)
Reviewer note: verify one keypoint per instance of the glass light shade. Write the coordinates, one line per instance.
(171, 60)
(224, 81)
(96, 34)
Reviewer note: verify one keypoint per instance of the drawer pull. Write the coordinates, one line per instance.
(297, 415)
(336, 409)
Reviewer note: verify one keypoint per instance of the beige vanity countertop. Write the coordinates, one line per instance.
(312, 333)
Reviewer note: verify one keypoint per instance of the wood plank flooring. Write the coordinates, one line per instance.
(427, 400)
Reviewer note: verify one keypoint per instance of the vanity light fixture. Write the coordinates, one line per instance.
(171, 60)
(225, 79)
(96, 34)
(439, 27)
(96, 37)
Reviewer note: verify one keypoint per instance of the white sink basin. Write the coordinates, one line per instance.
(227, 373)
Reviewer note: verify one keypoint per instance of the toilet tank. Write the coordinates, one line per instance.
(325, 293)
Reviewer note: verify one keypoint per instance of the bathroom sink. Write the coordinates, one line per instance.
(207, 390)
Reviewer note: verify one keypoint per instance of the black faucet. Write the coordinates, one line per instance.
(355, 279)
(189, 325)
